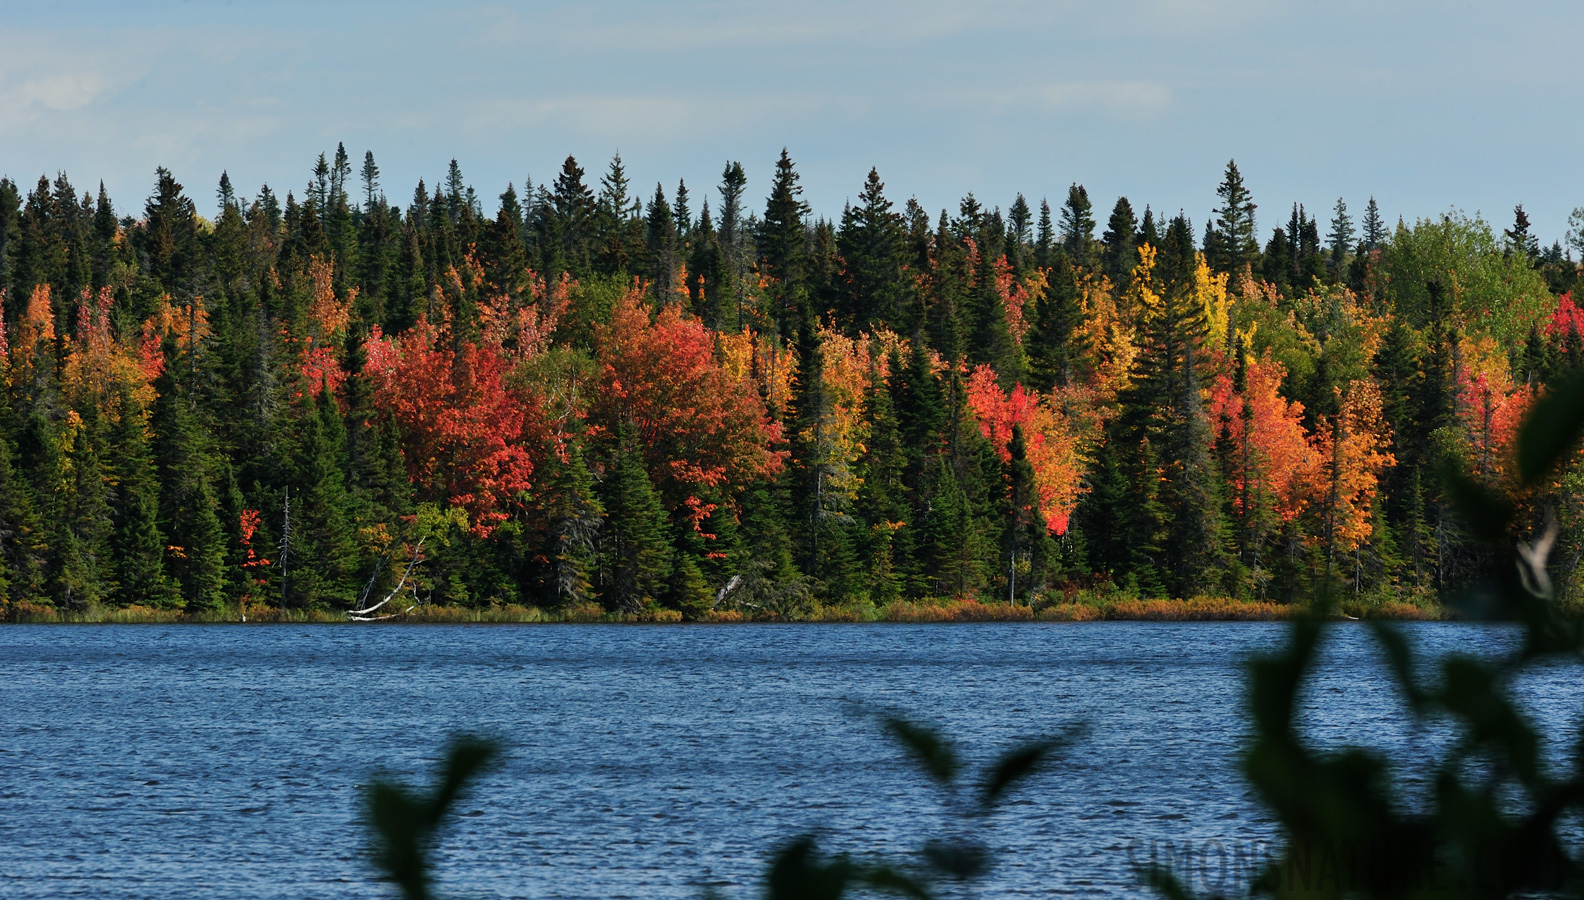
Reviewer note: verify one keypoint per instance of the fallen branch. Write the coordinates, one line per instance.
(356, 614)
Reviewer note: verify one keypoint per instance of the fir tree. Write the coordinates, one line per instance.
(872, 290)
(1044, 236)
(637, 557)
(1374, 233)
(576, 517)
(1341, 235)
(1078, 225)
(1120, 253)
(782, 243)
(1235, 244)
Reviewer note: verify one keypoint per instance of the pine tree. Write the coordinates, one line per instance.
(1341, 235)
(1054, 347)
(576, 518)
(1044, 236)
(782, 244)
(137, 544)
(637, 554)
(660, 235)
(1235, 244)
(1120, 253)
(1374, 233)
(873, 288)
(1077, 226)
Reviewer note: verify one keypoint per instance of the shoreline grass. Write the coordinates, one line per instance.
(1088, 608)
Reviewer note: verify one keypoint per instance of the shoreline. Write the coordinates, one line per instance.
(1204, 609)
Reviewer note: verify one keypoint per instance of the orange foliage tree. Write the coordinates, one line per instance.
(1052, 442)
(1354, 449)
(1276, 466)
(698, 424)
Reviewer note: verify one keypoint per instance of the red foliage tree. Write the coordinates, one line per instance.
(466, 437)
(698, 424)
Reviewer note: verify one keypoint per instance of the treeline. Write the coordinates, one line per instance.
(695, 402)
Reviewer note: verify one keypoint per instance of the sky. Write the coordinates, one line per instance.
(1426, 106)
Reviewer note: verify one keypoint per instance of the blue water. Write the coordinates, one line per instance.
(212, 761)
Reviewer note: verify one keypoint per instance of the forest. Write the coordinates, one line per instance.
(598, 401)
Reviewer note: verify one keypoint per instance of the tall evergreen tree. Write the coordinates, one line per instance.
(636, 551)
(1077, 226)
(1341, 235)
(1120, 253)
(1235, 240)
(1374, 233)
(782, 243)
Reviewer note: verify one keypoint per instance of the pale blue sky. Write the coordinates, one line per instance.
(1426, 105)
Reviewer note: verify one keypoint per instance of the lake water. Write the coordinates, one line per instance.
(213, 761)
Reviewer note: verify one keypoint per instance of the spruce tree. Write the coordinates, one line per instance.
(882, 508)
(1374, 233)
(576, 518)
(1077, 226)
(1120, 253)
(660, 236)
(1235, 244)
(1020, 235)
(137, 543)
(1054, 347)
(782, 244)
(1044, 236)
(1341, 235)
(873, 288)
(637, 555)
(324, 545)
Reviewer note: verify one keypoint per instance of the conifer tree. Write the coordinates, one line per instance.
(1374, 233)
(622, 239)
(137, 544)
(637, 556)
(1235, 242)
(323, 535)
(706, 273)
(1077, 226)
(1148, 232)
(576, 518)
(873, 289)
(1020, 235)
(1054, 347)
(1341, 235)
(371, 182)
(1044, 236)
(1121, 237)
(660, 234)
(782, 244)
(882, 507)
(189, 508)
(682, 213)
